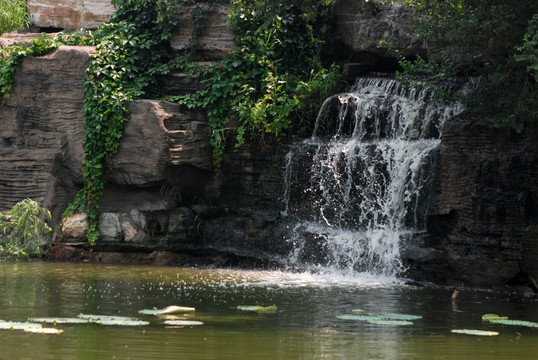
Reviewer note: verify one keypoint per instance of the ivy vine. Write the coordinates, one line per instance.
(272, 83)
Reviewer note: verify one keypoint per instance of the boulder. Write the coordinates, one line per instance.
(69, 15)
(42, 134)
(75, 226)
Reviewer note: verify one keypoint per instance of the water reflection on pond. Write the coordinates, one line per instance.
(304, 327)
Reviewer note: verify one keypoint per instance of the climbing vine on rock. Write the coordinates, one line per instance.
(131, 50)
(272, 84)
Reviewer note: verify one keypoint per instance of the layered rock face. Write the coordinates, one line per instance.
(485, 219)
(42, 133)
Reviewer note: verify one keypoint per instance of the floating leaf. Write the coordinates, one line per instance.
(514, 322)
(260, 309)
(387, 319)
(148, 311)
(172, 309)
(393, 316)
(113, 320)
(54, 321)
(13, 325)
(183, 322)
(47, 331)
(123, 322)
(97, 318)
(489, 317)
(389, 322)
(474, 332)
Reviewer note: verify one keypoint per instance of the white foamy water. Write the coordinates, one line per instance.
(359, 187)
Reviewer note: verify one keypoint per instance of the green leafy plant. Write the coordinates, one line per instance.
(493, 41)
(131, 50)
(272, 84)
(23, 229)
(13, 15)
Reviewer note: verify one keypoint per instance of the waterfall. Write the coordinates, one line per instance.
(358, 188)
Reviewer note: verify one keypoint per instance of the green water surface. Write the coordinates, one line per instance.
(304, 327)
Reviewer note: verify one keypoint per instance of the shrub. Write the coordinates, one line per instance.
(23, 229)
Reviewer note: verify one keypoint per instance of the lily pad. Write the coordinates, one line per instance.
(47, 331)
(183, 323)
(474, 332)
(489, 317)
(98, 318)
(123, 322)
(259, 309)
(389, 322)
(394, 316)
(172, 309)
(384, 319)
(54, 321)
(113, 320)
(514, 322)
(13, 325)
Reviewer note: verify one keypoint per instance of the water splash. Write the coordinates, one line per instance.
(359, 186)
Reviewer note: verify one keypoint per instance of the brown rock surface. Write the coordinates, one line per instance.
(69, 14)
(215, 42)
(42, 134)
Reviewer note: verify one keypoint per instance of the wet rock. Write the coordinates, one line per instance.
(110, 226)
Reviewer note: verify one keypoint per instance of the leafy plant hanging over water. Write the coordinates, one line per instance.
(23, 229)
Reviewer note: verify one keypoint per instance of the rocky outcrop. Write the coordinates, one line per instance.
(42, 129)
(485, 218)
(42, 134)
(69, 15)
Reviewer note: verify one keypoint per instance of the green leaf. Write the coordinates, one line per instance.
(514, 322)
(489, 317)
(474, 332)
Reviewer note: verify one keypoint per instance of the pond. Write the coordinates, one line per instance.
(304, 326)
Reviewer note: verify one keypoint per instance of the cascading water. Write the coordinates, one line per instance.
(358, 188)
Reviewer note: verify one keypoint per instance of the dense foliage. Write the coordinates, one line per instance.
(23, 230)
(272, 84)
(492, 40)
(131, 50)
(13, 15)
